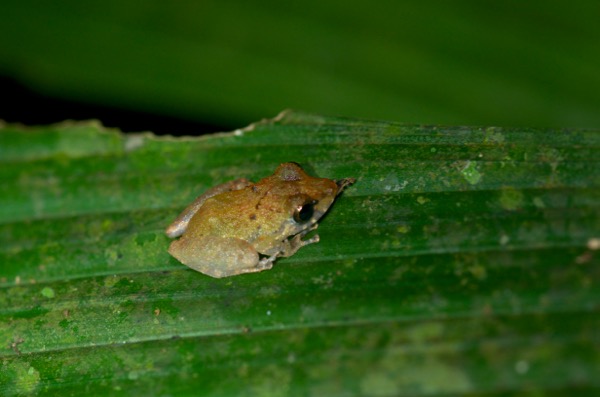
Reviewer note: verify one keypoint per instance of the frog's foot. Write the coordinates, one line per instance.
(305, 232)
(295, 243)
(263, 264)
(291, 246)
(267, 263)
(298, 243)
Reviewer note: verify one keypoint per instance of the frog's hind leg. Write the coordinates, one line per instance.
(179, 225)
(217, 256)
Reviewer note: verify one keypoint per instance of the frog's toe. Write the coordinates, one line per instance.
(310, 229)
(313, 239)
(267, 263)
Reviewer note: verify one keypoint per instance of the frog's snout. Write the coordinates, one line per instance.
(343, 183)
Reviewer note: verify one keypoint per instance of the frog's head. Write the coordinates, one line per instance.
(309, 198)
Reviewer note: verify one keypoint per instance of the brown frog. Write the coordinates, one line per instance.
(225, 229)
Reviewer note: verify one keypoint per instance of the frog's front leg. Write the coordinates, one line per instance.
(179, 225)
(217, 256)
(291, 246)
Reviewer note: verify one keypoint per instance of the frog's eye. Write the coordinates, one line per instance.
(304, 212)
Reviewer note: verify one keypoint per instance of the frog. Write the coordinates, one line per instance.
(241, 227)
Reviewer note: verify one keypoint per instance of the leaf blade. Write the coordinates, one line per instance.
(481, 283)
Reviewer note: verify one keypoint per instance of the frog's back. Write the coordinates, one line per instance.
(226, 215)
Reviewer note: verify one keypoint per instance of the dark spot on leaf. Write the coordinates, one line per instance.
(31, 313)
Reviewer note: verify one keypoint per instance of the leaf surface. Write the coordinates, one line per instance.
(463, 261)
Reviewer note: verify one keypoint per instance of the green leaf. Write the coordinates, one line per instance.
(464, 261)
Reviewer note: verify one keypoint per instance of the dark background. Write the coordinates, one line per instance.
(26, 106)
(187, 68)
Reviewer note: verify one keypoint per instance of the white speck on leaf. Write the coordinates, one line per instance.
(470, 173)
(521, 367)
(593, 244)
